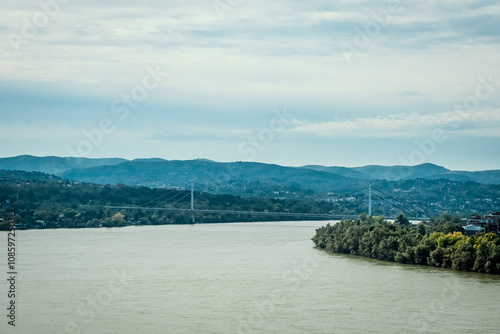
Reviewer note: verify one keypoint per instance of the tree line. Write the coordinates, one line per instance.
(55, 203)
(439, 244)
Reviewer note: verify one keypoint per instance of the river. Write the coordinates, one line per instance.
(231, 278)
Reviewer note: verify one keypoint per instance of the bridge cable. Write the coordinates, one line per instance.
(180, 193)
(209, 189)
(407, 208)
(393, 205)
(161, 196)
(168, 193)
(352, 193)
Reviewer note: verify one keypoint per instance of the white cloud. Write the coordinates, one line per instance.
(479, 123)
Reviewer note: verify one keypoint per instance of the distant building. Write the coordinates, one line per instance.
(493, 218)
(41, 223)
(472, 230)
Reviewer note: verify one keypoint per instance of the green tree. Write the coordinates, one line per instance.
(421, 229)
(402, 221)
(463, 258)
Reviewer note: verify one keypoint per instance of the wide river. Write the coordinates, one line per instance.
(231, 278)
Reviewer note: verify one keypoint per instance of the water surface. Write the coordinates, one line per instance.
(232, 278)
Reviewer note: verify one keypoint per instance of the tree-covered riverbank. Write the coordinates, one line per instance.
(41, 201)
(401, 242)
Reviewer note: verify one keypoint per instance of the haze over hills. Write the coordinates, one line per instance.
(155, 172)
(424, 171)
(52, 164)
(221, 177)
(418, 190)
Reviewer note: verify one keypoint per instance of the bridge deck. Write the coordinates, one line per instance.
(257, 213)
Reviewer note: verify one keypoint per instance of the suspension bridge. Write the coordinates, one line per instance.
(192, 211)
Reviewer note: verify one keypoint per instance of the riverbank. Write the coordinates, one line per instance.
(376, 238)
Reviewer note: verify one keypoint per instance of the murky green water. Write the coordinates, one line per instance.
(232, 278)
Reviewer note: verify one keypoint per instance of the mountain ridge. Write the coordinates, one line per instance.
(433, 188)
(53, 164)
(427, 171)
(111, 168)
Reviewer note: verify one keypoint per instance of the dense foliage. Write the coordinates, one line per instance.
(45, 202)
(401, 242)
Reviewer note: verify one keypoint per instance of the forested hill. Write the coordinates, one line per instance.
(7, 176)
(419, 191)
(53, 165)
(424, 171)
(112, 172)
(38, 200)
(237, 178)
(416, 198)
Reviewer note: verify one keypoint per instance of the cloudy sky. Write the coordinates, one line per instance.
(292, 82)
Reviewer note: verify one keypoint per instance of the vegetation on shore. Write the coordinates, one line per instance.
(440, 244)
(40, 201)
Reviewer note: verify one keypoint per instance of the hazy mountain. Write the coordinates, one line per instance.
(344, 171)
(53, 165)
(402, 172)
(18, 175)
(423, 171)
(418, 191)
(246, 178)
(391, 173)
(223, 177)
(452, 176)
(486, 177)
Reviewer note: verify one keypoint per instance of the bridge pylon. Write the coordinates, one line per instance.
(192, 202)
(370, 199)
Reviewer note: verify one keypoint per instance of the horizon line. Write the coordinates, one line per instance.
(241, 161)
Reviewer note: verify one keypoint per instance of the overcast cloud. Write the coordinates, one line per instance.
(361, 81)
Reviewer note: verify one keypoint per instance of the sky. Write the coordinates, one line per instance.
(337, 83)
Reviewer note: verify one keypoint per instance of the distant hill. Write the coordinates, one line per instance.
(424, 171)
(235, 178)
(17, 176)
(53, 165)
(418, 191)
(486, 177)
(393, 173)
(344, 171)
(238, 178)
